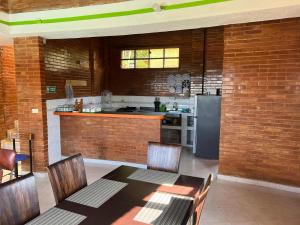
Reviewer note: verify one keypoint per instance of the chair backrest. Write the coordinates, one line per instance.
(163, 157)
(7, 159)
(67, 177)
(19, 201)
(199, 202)
(1, 175)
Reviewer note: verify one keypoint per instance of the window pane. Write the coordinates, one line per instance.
(141, 64)
(156, 53)
(156, 63)
(171, 63)
(172, 52)
(127, 64)
(128, 54)
(142, 54)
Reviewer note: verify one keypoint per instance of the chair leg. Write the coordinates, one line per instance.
(30, 154)
(16, 163)
(16, 170)
(1, 175)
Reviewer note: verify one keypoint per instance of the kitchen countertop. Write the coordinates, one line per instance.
(112, 114)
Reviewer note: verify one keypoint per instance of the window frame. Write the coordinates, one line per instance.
(149, 48)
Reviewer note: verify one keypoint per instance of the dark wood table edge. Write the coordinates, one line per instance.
(88, 211)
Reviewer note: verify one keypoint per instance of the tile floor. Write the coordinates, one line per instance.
(228, 203)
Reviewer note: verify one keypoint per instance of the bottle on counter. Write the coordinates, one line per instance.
(163, 108)
(76, 106)
(80, 105)
(156, 104)
(175, 106)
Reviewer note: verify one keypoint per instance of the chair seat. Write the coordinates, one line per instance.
(21, 157)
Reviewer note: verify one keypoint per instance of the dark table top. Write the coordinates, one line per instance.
(123, 207)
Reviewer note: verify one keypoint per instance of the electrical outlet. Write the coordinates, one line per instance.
(35, 110)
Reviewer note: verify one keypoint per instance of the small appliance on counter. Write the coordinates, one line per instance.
(127, 109)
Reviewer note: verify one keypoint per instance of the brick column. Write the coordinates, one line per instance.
(2, 117)
(31, 94)
(9, 86)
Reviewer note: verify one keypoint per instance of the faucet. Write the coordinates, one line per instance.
(175, 106)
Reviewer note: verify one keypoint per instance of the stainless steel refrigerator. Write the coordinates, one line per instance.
(207, 116)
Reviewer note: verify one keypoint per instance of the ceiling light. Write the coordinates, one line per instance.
(157, 7)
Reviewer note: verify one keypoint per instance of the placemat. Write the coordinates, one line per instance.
(154, 176)
(97, 193)
(164, 209)
(57, 216)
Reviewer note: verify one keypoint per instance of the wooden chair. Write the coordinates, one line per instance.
(19, 201)
(21, 157)
(163, 157)
(7, 161)
(199, 202)
(1, 175)
(67, 177)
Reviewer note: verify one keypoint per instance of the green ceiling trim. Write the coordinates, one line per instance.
(99, 16)
(4, 22)
(112, 14)
(192, 4)
(25, 22)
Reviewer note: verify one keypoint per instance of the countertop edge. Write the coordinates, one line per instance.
(130, 116)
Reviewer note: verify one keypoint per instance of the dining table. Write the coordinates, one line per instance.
(128, 196)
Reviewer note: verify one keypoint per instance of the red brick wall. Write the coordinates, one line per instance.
(154, 81)
(214, 51)
(260, 131)
(2, 116)
(119, 139)
(97, 61)
(17, 6)
(8, 97)
(68, 59)
(29, 57)
(4, 5)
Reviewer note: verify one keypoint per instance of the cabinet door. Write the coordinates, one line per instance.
(171, 136)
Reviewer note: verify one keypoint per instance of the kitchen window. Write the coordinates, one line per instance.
(156, 58)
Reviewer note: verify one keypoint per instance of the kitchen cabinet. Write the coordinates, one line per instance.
(178, 129)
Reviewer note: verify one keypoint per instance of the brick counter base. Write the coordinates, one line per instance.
(118, 139)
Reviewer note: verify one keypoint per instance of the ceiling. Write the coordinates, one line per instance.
(138, 16)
